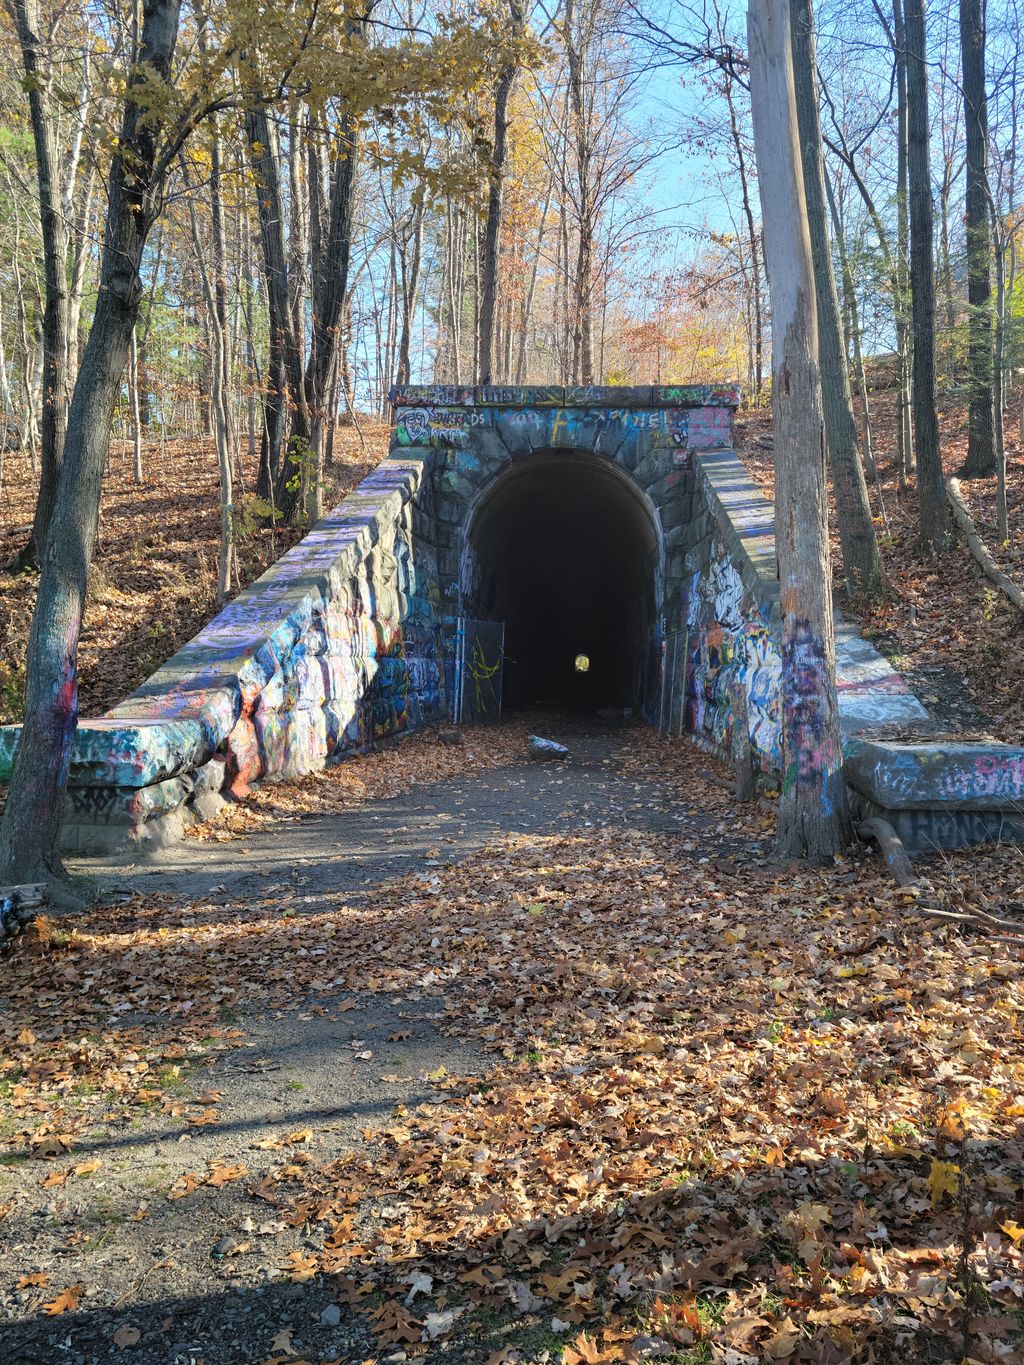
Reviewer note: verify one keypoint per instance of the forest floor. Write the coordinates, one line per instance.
(153, 583)
(950, 631)
(448, 1056)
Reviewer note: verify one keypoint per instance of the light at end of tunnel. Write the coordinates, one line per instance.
(582, 663)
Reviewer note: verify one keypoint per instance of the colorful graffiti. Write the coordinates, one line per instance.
(809, 752)
(347, 640)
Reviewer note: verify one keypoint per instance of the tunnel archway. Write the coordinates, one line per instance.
(567, 550)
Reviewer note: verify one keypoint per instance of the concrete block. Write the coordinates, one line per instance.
(917, 776)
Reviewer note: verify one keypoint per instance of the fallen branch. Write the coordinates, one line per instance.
(981, 554)
(891, 846)
(898, 862)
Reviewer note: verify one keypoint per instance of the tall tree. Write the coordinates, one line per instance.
(933, 512)
(862, 563)
(284, 386)
(53, 422)
(904, 343)
(814, 819)
(31, 820)
(495, 196)
(981, 451)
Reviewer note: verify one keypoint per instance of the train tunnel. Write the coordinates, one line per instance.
(565, 549)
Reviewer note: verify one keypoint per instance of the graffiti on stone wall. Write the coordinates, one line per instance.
(709, 428)
(434, 395)
(731, 642)
(809, 752)
(763, 678)
(449, 428)
(699, 395)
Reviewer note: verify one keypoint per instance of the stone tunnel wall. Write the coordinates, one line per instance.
(935, 791)
(340, 644)
(467, 437)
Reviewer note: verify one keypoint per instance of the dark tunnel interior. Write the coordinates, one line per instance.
(565, 552)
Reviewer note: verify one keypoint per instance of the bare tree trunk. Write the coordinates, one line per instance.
(933, 511)
(133, 398)
(53, 420)
(495, 194)
(582, 333)
(455, 258)
(224, 417)
(752, 237)
(284, 361)
(528, 295)
(861, 562)
(981, 453)
(904, 430)
(31, 819)
(850, 294)
(813, 816)
(330, 289)
(1002, 515)
(410, 260)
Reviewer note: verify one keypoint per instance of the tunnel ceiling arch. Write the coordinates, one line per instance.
(566, 550)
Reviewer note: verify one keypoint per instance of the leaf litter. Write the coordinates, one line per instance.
(734, 1111)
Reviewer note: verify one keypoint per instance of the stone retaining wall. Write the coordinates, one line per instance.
(936, 793)
(339, 644)
(333, 648)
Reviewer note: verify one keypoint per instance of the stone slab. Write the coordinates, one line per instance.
(915, 776)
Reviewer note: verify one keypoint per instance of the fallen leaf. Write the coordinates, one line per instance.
(185, 1184)
(36, 1280)
(299, 1267)
(223, 1175)
(65, 1302)
(783, 1341)
(944, 1178)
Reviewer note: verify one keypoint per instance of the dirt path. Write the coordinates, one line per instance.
(307, 1080)
(486, 1070)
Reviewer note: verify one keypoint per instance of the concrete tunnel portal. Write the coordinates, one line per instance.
(565, 548)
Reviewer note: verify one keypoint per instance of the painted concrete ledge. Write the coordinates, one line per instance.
(266, 688)
(566, 396)
(937, 793)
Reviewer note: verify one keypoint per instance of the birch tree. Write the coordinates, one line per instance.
(814, 819)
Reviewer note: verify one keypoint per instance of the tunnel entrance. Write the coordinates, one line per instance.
(565, 549)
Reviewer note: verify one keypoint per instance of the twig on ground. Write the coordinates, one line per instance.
(902, 869)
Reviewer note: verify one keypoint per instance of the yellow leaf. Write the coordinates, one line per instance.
(300, 1268)
(1013, 1230)
(88, 1167)
(943, 1179)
